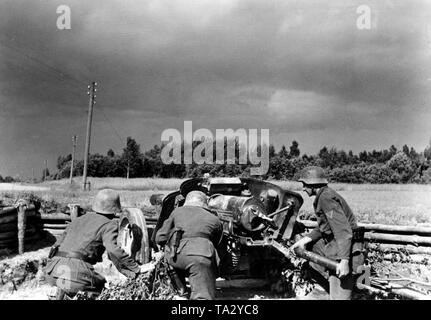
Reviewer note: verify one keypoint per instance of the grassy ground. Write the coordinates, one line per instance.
(390, 204)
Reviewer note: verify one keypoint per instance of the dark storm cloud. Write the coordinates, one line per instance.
(291, 66)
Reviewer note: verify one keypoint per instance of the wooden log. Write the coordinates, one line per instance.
(13, 242)
(13, 216)
(13, 210)
(399, 290)
(408, 293)
(62, 226)
(397, 238)
(381, 227)
(22, 220)
(55, 232)
(55, 216)
(6, 227)
(396, 248)
(414, 258)
(14, 234)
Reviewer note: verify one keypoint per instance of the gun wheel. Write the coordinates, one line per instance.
(133, 235)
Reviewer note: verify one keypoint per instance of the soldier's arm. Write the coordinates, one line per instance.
(162, 235)
(125, 264)
(61, 238)
(315, 234)
(219, 234)
(340, 227)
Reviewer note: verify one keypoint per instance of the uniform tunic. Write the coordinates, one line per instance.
(333, 237)
(89, 235)
(196, 253)
(335, 222)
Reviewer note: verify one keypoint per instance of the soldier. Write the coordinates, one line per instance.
(82, 245)
(336, 237)
(191, 234)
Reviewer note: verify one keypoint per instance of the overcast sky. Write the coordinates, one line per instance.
(301, 69)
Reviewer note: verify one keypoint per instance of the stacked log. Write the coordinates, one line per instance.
(56, 223)
(19, 225)
(409, 237)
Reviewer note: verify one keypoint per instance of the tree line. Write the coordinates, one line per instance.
(377, 166)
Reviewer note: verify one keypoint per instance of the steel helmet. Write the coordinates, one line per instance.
(107, 201)
(313, 175)
(196, 199)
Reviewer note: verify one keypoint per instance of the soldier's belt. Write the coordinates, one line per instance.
(73, 255)
(358, 235)
(196, 235)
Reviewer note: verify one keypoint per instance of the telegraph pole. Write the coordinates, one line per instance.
(128, 169)
(91, 92)
(73, 157)
(45, 171)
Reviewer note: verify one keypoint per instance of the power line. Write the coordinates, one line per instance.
(112, 126)
(60, 72)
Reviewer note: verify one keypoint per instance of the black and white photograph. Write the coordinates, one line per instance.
(234, 151)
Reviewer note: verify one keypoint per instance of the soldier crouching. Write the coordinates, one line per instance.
(336, 237)
(82, 245)
(191, 234)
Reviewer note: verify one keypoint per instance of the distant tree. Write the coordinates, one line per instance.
(1, 179)
(403, 166)
(324, 157)
(110, 153)
(363, 156)
(8, 179)
(153, 164)
(427, 151)
(133, 159)
(271, 151)
(385, 156)
(392, 150)
(413, 154)
(406, 150)
(294, 150)
(283, 154)
(63, 160)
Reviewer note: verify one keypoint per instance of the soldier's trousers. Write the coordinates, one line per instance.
(339, 288)
(73, 275)
(201, 272)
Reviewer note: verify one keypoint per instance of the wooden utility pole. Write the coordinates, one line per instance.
(91, 92)
(128, 169)
(45, 171)
(73, 157)
(32, 174)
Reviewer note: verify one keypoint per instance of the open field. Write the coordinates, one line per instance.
(389, 204)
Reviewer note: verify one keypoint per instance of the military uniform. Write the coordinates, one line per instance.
(196, 254)
(334, 238)
(80, 247)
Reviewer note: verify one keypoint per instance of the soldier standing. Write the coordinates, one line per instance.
(82, 245)
(336, 237)
(191, 234)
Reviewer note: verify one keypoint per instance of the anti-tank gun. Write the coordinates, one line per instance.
(259, 223)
